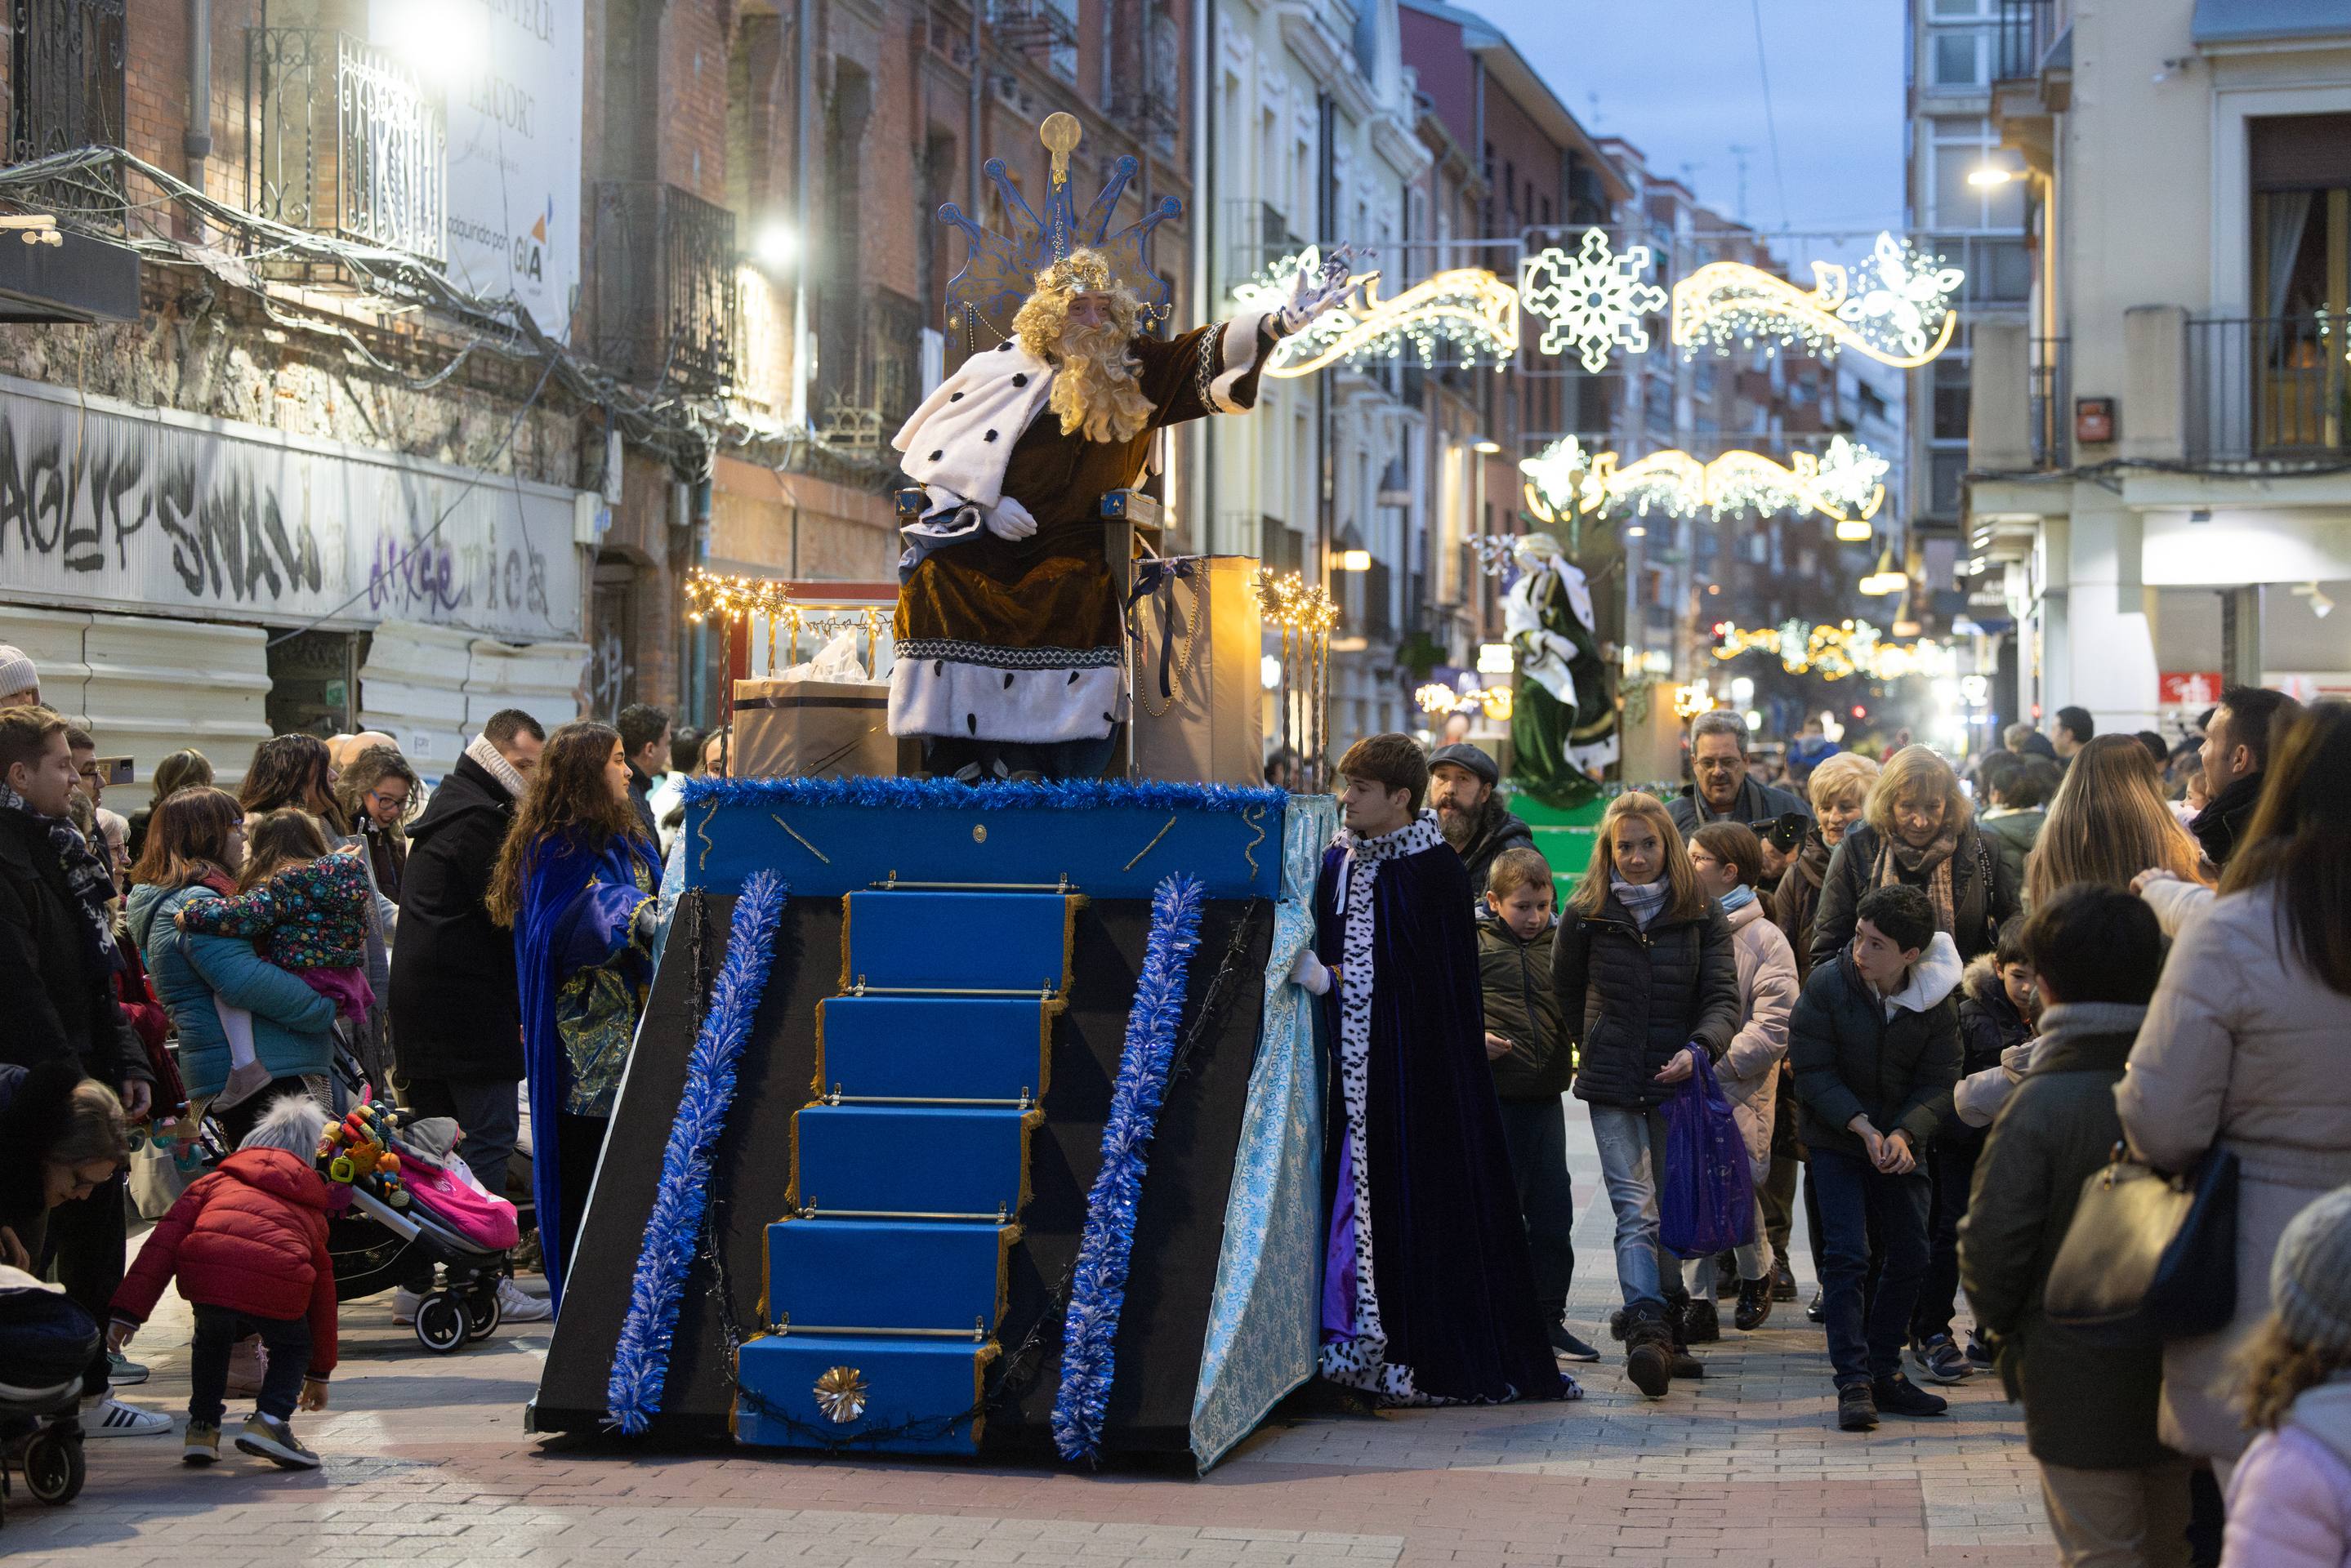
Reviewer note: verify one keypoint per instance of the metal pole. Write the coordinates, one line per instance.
(1326, 223)
(197, 143)
(804, 109)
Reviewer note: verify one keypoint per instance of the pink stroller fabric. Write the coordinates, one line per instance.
(487, 1223)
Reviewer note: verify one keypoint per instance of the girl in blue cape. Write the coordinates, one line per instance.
(576, 881)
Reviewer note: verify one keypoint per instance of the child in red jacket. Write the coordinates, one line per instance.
(248, 1244)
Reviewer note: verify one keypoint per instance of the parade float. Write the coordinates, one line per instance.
(979, 1116)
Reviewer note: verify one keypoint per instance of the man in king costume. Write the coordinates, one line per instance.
(1428, 1293)
(1010, 634)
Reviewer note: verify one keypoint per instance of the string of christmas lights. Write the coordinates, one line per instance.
(1845, 484)
(1468, 309)
(1835, 651)
(1896, 308)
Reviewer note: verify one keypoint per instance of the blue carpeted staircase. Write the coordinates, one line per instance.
(886, 1285)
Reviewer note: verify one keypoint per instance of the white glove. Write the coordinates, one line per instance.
(1008, 519)
(1327, 288)
(1311, 973)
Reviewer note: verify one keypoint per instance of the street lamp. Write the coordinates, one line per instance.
(1486, 448)
(1989, 176)
(1355, 560)
(776, 245)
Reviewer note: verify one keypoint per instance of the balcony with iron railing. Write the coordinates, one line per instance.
(2022, 35)
(343, 140)
(662, 306)
(1043, 30)
(2264, 390)
(68, 92)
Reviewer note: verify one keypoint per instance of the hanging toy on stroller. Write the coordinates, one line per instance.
(46, 1344)
(401, 1211)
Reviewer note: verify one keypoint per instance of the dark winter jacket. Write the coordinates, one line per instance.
(640, 788)
(1989, 1022)
(2084, 1407)
(2014, 833)
(1796, 901)
(1893, 1059)
(60, 1001)
(1756, 803)
(251, 1237)
(1634, 998)
(1522, 1008)
(1497, 828)
(2221, 827)
(456, 1011)
(1984, 893)
(33, 1105)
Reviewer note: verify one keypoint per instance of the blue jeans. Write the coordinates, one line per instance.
(1632, 1151)
(1866, 1337)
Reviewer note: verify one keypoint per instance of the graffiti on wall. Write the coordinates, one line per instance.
(113, 503)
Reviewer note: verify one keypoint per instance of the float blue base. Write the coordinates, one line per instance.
(946, 1048)
(919, 1161)
(915, 1392)
(859, 1273)
(958, 941)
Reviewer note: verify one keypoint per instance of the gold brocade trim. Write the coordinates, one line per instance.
(803, 843)
(845, 909)
(1007, 1237)
(816, 1083)
(702, 831)
(1156, 837)
(981, 1360)
(1070, 904)
(1046, 1012)
(1254, 817)
(1030, 1122)
(792, 1204)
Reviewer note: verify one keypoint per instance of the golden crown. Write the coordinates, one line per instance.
(1080, 270)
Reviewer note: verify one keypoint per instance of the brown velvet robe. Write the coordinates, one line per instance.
(1039, 605)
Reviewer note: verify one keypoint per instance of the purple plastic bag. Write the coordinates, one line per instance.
(1705, 1194)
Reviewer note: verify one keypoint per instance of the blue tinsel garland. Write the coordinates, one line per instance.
(641, 1357)
(1098, 1285)
(935, 795)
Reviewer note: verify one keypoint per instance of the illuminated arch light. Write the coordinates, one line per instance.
(1835, 651)
(1468, 309)
(1845, 484)
(1593, 302)
(1896, 306)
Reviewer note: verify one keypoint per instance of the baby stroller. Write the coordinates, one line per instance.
(46, 1344)
(428, 1213)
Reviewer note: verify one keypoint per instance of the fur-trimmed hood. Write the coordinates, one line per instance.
(1981, 984)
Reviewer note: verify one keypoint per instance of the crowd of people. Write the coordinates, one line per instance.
(254, 962)
(1933, 1001)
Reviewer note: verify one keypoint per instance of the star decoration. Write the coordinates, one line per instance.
(841, 1394)
(1594, 300)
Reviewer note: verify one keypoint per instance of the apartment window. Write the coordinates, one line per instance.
(1950, 414)
(1959, 146)
(1958, 56)
(2000, 272)
(1944, 472)
(2302, 215)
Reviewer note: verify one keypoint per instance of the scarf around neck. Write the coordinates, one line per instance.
(487, 758)
(1928, 868)
(86, 874)
(1642, 900)
(1738, 898)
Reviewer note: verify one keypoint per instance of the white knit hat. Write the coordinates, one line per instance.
(2310, 1274)
(16, 671)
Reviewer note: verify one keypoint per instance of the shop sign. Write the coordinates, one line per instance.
(2187, 688)
(106, 505)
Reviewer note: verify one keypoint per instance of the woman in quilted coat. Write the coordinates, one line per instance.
(248, 1245)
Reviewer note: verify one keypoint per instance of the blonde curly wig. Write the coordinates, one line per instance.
(1094, 387)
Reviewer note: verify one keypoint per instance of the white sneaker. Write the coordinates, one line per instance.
(518, 1305)
(111, 1418)
(404, 1302)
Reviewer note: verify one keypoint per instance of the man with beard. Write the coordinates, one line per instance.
(1473, 819)
(1720, 790)
(1008, 632)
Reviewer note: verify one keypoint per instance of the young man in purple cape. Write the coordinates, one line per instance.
(1427, 1292)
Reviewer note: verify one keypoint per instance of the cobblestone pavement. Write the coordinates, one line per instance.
(427, 1461)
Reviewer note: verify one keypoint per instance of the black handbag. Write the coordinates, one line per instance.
(2149, 1257)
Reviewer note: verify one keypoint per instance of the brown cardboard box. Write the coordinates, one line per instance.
(1195, 642)
(814, 729)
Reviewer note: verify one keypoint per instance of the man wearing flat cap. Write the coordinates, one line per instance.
(1461, 780)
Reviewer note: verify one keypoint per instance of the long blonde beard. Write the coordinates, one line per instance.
(1095, 389)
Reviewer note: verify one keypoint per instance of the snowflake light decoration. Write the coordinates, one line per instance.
(1896, 308)
(1835, 651)
(1843, 485)
(1594, 300)
(1467, 309)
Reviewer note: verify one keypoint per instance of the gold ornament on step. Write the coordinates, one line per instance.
(841, 1394)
